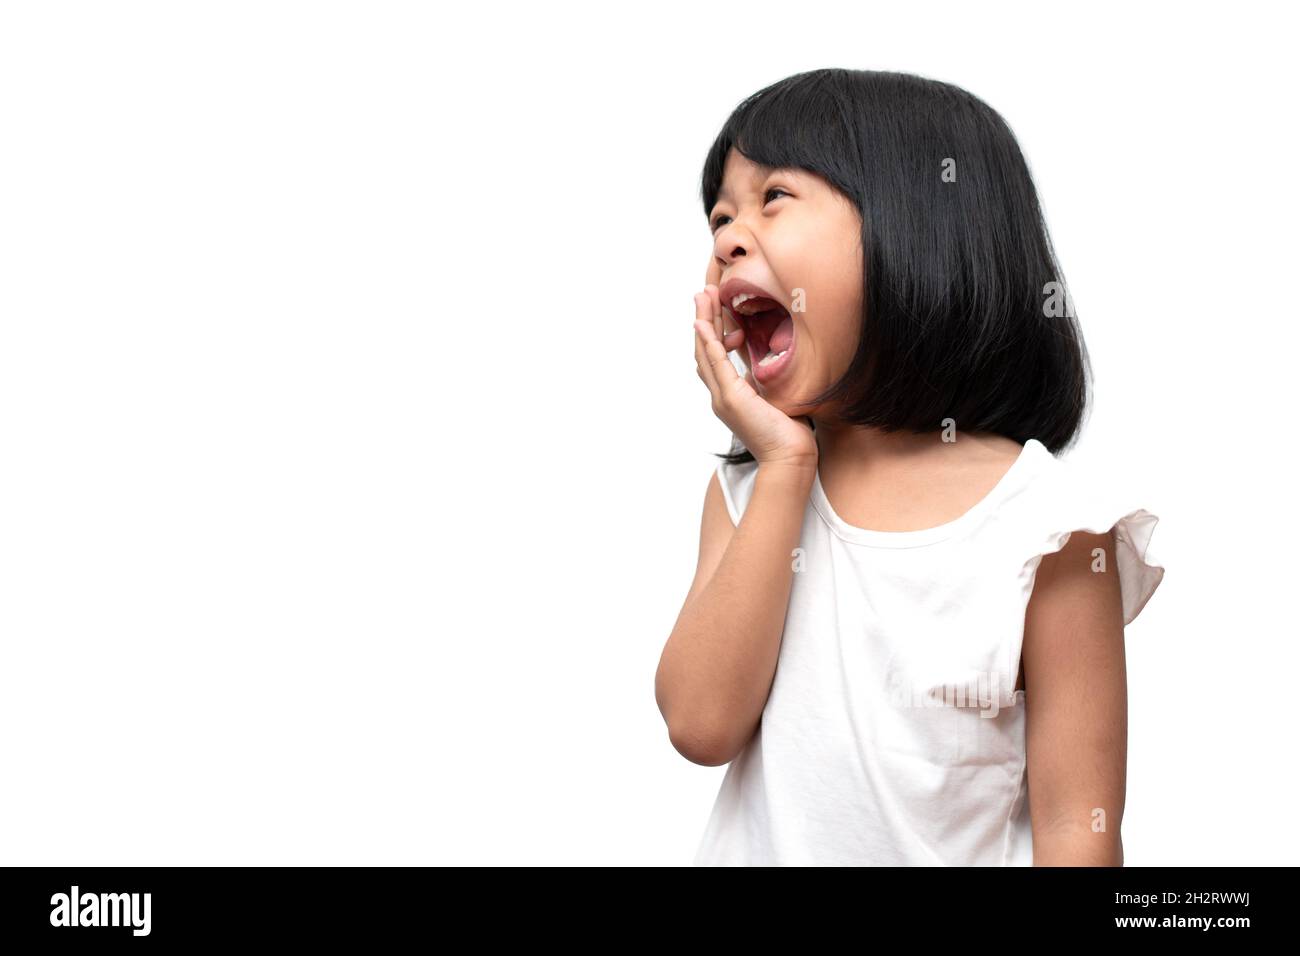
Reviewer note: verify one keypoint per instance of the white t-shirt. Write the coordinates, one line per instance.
(893, 734)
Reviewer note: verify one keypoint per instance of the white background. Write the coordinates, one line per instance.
(351, 467)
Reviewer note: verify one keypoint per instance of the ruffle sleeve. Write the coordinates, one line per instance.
(1083, 504)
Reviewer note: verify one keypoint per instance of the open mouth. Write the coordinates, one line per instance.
(769, 333)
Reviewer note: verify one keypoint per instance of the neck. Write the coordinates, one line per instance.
(868, 451)
(861, 444)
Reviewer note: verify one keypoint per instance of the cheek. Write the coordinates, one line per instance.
(836, 310)
(843, 327)
(833, 316)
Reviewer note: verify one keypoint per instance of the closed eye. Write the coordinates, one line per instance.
(717, 220)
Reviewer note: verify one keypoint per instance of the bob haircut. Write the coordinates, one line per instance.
(965, 314)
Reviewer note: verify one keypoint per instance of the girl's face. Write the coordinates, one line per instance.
(789, 233)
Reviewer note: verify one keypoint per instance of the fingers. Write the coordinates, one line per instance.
(712, 359)
(730, 340)
(720, 374)
(702, 364)
(716, 308)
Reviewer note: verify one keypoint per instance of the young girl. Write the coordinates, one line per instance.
(906, 628)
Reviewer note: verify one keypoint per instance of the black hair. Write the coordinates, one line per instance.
(965, 313)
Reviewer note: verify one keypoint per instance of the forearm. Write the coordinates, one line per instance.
(719, 662)
(1078, 845)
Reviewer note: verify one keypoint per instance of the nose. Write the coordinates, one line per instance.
(727, 246)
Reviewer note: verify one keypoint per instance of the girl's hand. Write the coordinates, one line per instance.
(772, 436)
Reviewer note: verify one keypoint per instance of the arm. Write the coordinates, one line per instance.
(717, 667)
(1076, 701)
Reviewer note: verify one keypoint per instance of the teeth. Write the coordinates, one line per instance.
(737, 301)
(771, 357)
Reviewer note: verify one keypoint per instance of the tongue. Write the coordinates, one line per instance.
(782, 336)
